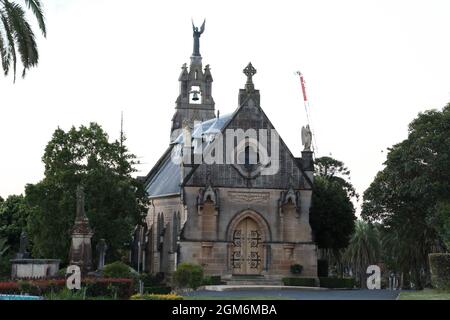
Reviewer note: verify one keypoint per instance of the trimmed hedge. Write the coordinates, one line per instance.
(212, 281)
(440, 270)
(336, 283)
(34, 287)
(301, 282)
(121, 288)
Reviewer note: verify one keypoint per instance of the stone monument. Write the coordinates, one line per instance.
(23, 266)
(196, 34)
(23, 253)
(81, 249)
(306, 138)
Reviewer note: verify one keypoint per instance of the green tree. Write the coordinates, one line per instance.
(363, 250)
(115, 202)
(336, 171)
(14, 213)
(3, 247)
(5, 265)
(17, 38)
(410, 195)
(332, 213)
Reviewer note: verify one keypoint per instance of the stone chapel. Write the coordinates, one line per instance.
(232, 218)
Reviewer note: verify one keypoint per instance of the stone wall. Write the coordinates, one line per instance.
(163, 243)
(286, 230)
(34, 268)
(205, 226)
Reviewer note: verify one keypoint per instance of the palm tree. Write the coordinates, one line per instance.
(16, 35)
(363, 250)
(406, 253)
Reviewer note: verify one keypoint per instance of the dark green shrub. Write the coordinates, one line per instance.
(117, 269)
(152, 280)
(301, 282)
(62, 273)
(66, 294)
(212, 281)
(336, 283)
(440, 270)
(5, 267)
(96, 289)
(322, 268)
(114, 288)
(296, 269)
(158, 290)
(188, 275)
(27, 287)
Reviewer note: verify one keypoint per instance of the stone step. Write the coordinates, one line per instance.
(253, 280)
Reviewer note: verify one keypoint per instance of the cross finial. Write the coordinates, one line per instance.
(249, 71)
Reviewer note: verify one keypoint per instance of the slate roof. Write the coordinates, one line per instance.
(165, 177)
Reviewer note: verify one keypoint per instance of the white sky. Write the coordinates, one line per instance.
(370, 67)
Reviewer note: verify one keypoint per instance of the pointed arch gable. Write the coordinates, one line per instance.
(252, 214)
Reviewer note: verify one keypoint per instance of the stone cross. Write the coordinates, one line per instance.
(249, 71)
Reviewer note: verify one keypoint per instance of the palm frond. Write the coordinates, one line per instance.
(23, 34)
(36, 7)
(11, 44)
(5, 55)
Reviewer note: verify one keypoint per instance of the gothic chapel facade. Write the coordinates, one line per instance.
(228, 217)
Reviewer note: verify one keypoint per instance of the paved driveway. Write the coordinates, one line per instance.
(301, 294)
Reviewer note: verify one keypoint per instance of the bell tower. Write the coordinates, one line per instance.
(195, 102)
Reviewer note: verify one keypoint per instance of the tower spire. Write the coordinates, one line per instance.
(195, 101)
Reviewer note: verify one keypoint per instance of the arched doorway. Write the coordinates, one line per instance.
(247, 252)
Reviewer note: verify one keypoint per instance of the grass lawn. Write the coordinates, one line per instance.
(206, 297)
(427, 294)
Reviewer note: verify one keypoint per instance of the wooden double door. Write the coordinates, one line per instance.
(247, 248)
